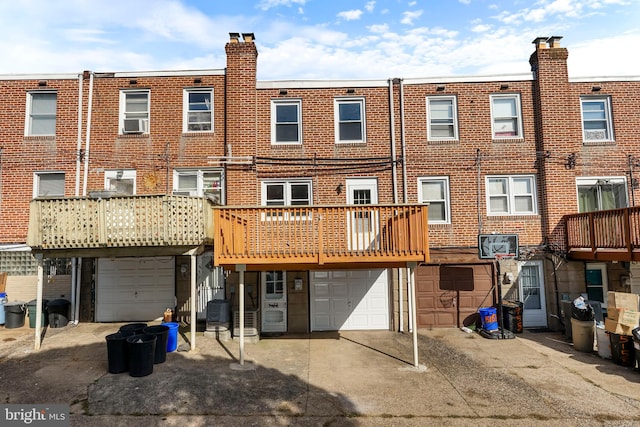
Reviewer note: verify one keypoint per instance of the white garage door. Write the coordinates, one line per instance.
(349, 300)
(134, 289)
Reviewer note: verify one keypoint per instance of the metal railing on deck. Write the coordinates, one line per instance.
(611, 235)
(119, 222)
(320, 234)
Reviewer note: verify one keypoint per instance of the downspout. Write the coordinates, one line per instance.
(88, 137)
(394, 175)
(74, 260)
(405, 196)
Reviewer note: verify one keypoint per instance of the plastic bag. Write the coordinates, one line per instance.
(581, 310)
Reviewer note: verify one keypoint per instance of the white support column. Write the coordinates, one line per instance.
(194, 314)
(241, 269)
(39, 292)
(412, 285)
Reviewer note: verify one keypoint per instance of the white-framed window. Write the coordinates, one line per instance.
(506, 116)
(48, 184)
(442, 118)
(511, 195)
(41, 113)
(286, 121)
(134, 111)
(596, 118)
(601, 193)
(198, 110)
(199, 182)
(120, 181)
(435, 191)
(349, 116)
(295, 192)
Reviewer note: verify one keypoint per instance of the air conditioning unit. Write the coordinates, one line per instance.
(595, 135)
(184, 193)
(135, 125)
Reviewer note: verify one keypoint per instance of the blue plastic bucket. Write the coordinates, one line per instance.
(489, 318)
(172, 338)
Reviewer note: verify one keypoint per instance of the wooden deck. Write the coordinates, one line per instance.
(612, 235)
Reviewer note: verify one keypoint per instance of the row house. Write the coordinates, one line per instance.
(320, 205)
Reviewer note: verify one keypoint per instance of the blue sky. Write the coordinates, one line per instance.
(319, 39)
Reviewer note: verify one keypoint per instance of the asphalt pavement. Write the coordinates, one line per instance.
(331, 379)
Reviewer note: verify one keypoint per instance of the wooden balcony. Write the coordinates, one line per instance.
(124, 224)
(612, 235)
(316, 237)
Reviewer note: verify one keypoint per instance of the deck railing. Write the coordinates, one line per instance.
(611, 235)
(119, 222)
(320, 234)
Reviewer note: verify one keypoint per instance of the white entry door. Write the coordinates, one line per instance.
(362, 223)
(349, 300)
(274, 301)
(531, 286)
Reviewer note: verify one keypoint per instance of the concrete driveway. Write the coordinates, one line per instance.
(342, 379)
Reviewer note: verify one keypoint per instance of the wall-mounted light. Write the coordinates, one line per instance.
(283, 92)
(197, 80)
(440, 88)
(504, 86)
(42, 83)
(133, 82)
(351, 90)
(595, 89)
(339, 189)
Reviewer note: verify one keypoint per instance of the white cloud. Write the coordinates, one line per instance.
(350, 15)
(605, 57)
(465, 1)
(370, 6)
(269, 4)
(481, 28)
(409, 16)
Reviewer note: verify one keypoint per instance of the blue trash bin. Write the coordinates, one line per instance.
(3, 301)
(172, 338)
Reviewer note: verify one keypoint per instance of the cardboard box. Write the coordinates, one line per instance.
(618, 301)
(617, 328)
(629, 318)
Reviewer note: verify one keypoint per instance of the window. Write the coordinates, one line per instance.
(511, 195)
(122, 182)
(286, 193)
(48, 184)
(435, 191)
(596, 119)
(134, 111)
(286, 122)
(601, 193)
(506, 118)
(41, 113)
(349, 120)
(442, 122)
(201, 183)
(198, 110)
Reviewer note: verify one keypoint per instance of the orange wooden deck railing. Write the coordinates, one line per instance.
(611, 235)
(320, 235)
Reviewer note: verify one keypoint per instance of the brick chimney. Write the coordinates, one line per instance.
(558, 132)
(241, 111)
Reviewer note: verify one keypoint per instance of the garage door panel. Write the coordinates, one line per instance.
(134, 289)
(358, 299)
(440, 306)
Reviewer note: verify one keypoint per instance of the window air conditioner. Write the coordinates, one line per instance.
(595, 135)
(184, 193)
(135, 125)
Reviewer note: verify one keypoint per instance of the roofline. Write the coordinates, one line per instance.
(317, 84)
(61, 76)
(167, 73)
(604, 79)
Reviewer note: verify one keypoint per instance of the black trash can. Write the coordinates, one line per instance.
(512, 316)
(622, 351)
(117, 353)
(142, 348)
(31, 309)
(132, 328)
(162, 334)
(14, 315)
(58, 310)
